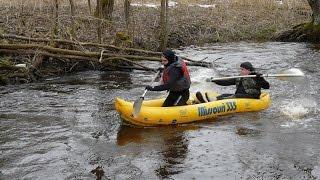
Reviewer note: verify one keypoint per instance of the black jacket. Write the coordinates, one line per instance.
(246, 87)
(177, 80)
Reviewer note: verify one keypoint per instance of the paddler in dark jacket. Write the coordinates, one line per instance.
(175, 79)
(249, 87)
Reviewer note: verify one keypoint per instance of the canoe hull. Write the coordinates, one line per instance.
(151, 114)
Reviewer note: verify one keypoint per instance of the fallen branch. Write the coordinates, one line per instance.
(82, 55)
(72, 57)
(61, 41)
(132, 62)
(106, 47)
(74, 52)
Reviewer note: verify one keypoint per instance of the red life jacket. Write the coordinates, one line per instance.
(184, 82)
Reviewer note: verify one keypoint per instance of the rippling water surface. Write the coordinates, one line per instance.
(67, 128)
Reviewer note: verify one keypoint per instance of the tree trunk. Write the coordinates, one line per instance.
(55, 11)
(163, 24)
(305, 32)
(315, 7)
(55, 20)
(107, 8)
(99, 13)
(167, 33)
(89, 6)
(72, 10)
(127, 12)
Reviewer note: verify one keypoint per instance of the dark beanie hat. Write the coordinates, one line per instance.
(169, 54)
(247, 65)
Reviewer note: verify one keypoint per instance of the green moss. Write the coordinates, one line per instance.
(123, 36)
(3, 80)
(265, 34)
(311, 27)
(312, 31)
(122, 39)
(5, 62)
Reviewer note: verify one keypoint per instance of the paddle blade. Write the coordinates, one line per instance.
(137, 107)
(293, 71)
(293, 75)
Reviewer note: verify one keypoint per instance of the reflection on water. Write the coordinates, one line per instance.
(171, 144)
(174, 154)
(128, 134)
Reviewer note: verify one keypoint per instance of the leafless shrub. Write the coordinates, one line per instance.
(232, 20)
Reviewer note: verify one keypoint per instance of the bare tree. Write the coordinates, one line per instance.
(127, 12)
(99, 13)
(308, 32)
(72, 10)
(163, 24)
(107, 9)
(315, 7)
(89, 6)
(55, 20)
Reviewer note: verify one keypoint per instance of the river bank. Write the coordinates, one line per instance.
(190, 22)
(26, 32)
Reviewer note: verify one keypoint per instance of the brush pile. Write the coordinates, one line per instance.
(37, 41)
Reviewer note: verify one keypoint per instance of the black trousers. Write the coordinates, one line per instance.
(177, 98)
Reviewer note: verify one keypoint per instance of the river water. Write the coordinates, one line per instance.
(67, 128)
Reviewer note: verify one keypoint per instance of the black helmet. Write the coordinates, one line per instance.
(248, 66)
(169, 54)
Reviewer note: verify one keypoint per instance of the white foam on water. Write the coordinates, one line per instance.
(316, 172)
(294, 111)
(296, 122)
(198, 79)
(299, 108)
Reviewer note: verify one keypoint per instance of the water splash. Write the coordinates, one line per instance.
(316, 172)
(299, 108)
(304, 104)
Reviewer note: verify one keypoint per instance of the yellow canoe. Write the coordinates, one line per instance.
(152, 114)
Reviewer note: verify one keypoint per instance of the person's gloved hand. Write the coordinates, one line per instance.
(160, 69)
(149, 88)
(258, 75)
(209, 80)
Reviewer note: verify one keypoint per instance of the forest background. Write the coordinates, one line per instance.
(41, 38)
(138, 22)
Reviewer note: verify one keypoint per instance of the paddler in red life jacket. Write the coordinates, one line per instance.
(175, 79)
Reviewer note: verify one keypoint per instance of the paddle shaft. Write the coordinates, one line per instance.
(263, 75)
(153, 80)
(178, 100)
(144, 93)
